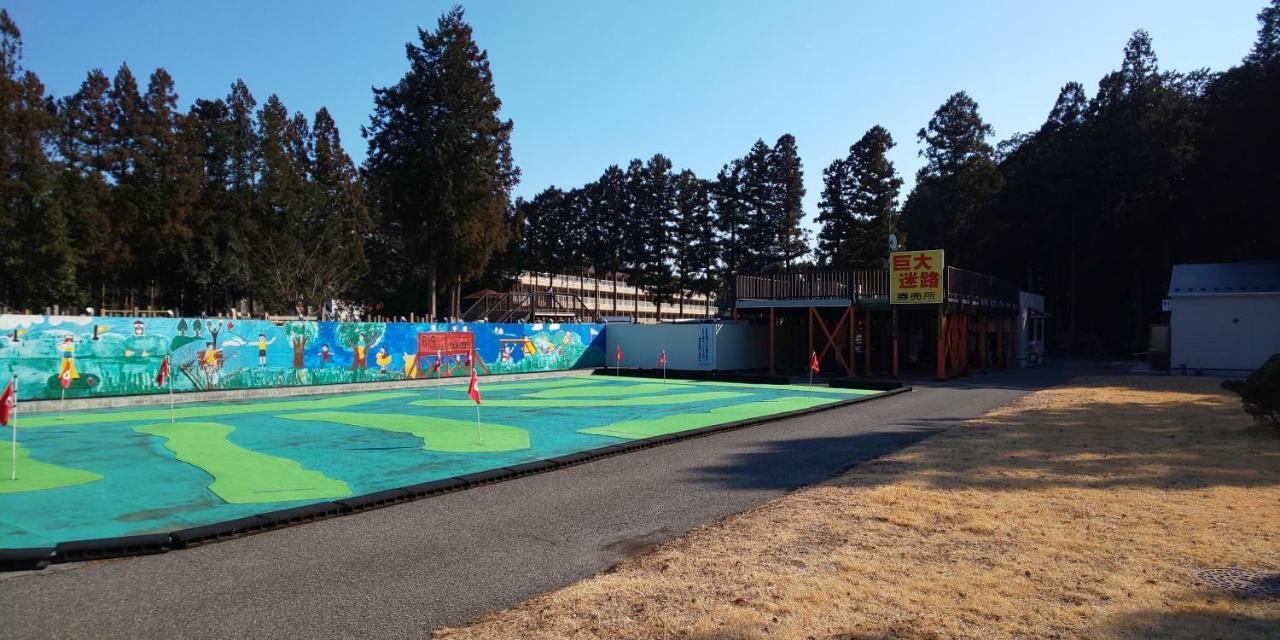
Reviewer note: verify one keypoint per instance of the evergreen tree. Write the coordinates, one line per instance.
(730, 216)
(694, 235)
(859, 205)
(440, 157)
(654, 214)
(85, 141)
(760, 250)
(786, 174)
(36, 253)
(954, 190)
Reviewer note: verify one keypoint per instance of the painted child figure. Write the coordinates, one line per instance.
(410, 365)
(383, 359)
(325, 354)
(262, 349)
(67, 349)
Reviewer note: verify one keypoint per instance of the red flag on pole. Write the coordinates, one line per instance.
(617, 353)
(164, 372)
(64, 374)
(662, 358)
(8, 401)
(473, 389)
(436, 366)
(813, 362)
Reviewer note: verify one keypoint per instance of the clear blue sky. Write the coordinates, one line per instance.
(589, 83)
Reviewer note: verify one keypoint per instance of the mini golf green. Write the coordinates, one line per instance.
(122, 472)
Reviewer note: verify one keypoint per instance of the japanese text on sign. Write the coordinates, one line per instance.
(915, 277)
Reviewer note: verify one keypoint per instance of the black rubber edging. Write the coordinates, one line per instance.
(875, 384)
(38, 558)
(100, 548)
(218, 531)
(25, 559)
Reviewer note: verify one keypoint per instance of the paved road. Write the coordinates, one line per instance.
(405, 570)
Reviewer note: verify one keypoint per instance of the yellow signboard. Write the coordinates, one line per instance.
(915, 277)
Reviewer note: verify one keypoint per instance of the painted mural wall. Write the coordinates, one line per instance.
(122, 356)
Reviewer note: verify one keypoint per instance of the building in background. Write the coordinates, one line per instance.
(532, 296)
(1224, 318)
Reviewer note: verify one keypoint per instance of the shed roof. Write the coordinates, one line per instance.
(1225, 278)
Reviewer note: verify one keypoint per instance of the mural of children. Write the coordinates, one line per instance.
(68, 351)
(506, 357)
(325, 354)
(410, 365)
(262, 349)
(382, 359)
(209, 362)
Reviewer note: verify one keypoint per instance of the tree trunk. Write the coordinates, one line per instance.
(299, 345)
(431, 284)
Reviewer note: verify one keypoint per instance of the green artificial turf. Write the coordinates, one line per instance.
(438, 434)
(644, 401)
(675, 423)
(336, 401)
(241, 475)
(34, 475)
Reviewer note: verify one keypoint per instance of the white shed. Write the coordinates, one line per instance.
(1223, 317)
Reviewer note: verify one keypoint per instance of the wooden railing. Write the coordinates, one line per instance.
(962, 287)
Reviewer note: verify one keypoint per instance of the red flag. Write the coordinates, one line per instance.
(617, 353)
(662, 358)
(8, 402)
(473, 389)
(813, 362)
(436, 367)
(64, 374)
(164, 372)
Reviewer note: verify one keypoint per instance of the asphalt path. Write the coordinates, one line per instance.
(405, 570)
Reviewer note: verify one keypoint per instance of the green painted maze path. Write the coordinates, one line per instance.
(438, 434)
(643, 401)
(241, 475)
(675, 423)
(578, 391)
(34, 475)
(209, 411)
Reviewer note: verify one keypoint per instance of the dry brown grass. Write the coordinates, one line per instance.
(1075, 512)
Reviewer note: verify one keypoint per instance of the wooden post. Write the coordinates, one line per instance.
(771, 329)
(866, 342)
(810, 322)
(853, 343)
(982, 343)
(893, 331)
(942, 343)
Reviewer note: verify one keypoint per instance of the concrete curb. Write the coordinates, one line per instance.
(101, 548)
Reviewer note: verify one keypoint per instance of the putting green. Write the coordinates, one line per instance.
(578, 391)
(637, 429)
(208, 411)
(34, 475)
(541, 383)
(644, 401)
(240, 475)
(438, 434)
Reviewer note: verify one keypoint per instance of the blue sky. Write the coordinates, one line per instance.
(590, 83)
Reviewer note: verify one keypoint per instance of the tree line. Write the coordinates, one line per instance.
(114, 187)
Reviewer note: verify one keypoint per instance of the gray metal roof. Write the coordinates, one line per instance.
(1225, 278)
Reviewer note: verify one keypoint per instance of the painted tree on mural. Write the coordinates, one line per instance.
(299, 334)
(360, 337)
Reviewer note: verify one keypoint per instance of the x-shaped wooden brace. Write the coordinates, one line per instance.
(831, 336)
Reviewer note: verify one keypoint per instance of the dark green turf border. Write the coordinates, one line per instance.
(100, 548)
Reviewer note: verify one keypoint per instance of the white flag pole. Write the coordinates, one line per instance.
(13, 447)
(169, 363)
(62, 404)
(812, 357)
(664, 368)
(479, 434)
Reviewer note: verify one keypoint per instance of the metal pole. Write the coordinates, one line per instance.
(169, 360)
(13, 447)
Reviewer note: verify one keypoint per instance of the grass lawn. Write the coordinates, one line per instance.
(1079, 511)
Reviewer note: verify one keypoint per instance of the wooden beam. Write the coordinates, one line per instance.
(831, 340)
(866, 342)
(853, 342)
(771, 329)
(893, 332)
(812, 312)
(943, 352)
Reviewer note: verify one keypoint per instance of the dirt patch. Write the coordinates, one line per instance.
(1080, 511)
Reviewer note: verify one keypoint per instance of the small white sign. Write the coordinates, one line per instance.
(1166, 305)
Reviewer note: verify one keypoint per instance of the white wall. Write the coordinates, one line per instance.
(699, 347)
(1228, 332)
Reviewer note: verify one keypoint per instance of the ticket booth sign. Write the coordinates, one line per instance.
(915, 277)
